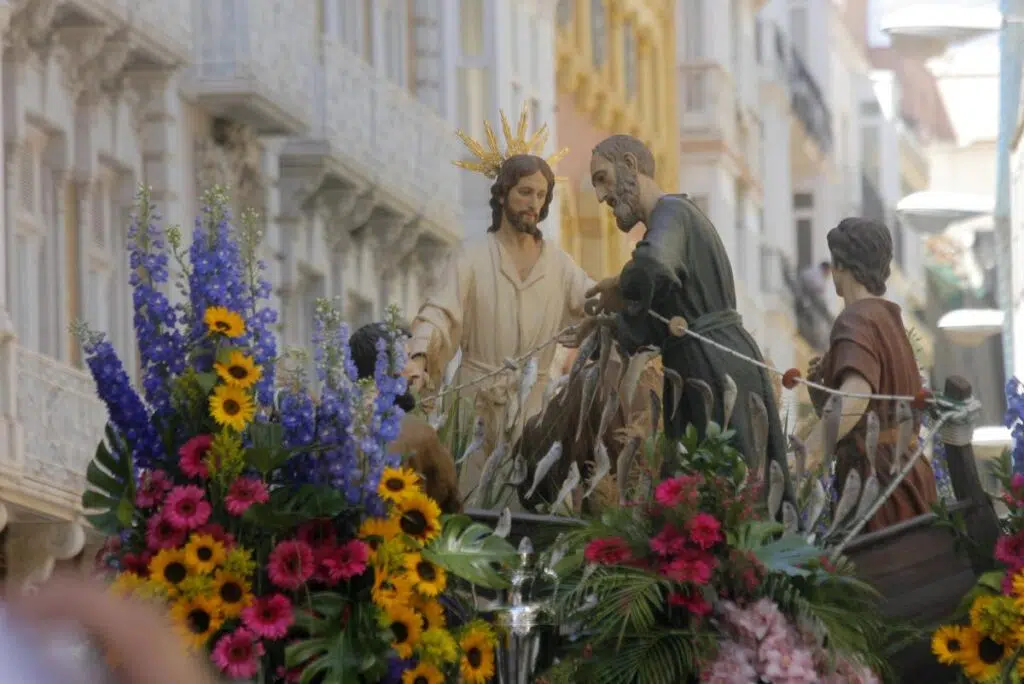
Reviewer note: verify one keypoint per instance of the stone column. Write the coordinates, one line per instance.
(10, 448)
(32, 550)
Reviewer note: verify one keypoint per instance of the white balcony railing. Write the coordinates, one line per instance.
(255, 60)
(707, 101)
(61, 421)
(388, 135)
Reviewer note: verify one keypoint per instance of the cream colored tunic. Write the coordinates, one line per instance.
(484, 308)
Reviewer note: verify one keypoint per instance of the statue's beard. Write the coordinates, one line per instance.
(520, 222)
(627, 199)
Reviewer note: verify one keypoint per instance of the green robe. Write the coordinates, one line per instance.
(681, 268)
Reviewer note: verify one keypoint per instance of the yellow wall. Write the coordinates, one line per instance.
(595, 101)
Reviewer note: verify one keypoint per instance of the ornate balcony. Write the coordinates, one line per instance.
(164, 29)
(58, 421)
(381, 137)
(808, 104)
(255, 60)
(707, 102)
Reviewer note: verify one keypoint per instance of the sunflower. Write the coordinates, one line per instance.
(233, 591)
(389, 590)
(239, 370)
(477, 662)
(948, 643)
(127, 583)
(995, 616)
(376, 530)
(224, 322)
(429, 579)
(398, 483)
(197, 619)
(424, 673)
(430, 610)
(203, 553)
(982, 657)
(405, 629)
(169, 568)
(232, 407)
(417, 516)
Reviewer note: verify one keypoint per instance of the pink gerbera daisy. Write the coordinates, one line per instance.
(269, 616)
(1010, 549)
(218, 533)
(347, 561)
(290, 564)
(192, 455)
(705, 530)
(238, 654)
(162, 533)
(186, 507)
(153, 486)
(244, 492)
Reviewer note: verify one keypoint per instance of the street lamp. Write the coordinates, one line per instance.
(932, 212)
(927, 30)
(971, 327)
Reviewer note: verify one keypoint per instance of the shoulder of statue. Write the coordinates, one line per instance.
(857, 321)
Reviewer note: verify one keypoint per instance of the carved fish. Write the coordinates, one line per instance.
(869, 496)
(571, 482)
(611, 405)
(553, 387)
(847, 501)
(631, 377)
(706, 395)
(759, 433)
(587, 348)
(624, 465)
(776, 488)
(871, 440)
(504, 525)
(790, 519)
(675, 382)
(590, 380)
(527, 380)
(831, 414)
(490, 468)
(602, 466)
(800, 456)
(904, 425)
(475, 442)
(544, 465)
(607, 348)
(655, 411)
(729, 392)
(816, 505)
(451, 369)
(437, 420)
(519, 471)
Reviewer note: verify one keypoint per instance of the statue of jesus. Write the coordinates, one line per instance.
(501, 296)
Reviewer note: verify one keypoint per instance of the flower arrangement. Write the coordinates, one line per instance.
(694, 584)
(265, 509)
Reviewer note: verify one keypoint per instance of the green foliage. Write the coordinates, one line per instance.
(471, 550)
(663, 656)
(346, 643)
(110, 486)
(291, 506)
(266, 453)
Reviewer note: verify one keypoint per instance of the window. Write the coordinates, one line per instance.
(106, 306)
(803, 200)
(471, 21)
(804, 242)
(473, 79)
(598, 33)
(629, 59)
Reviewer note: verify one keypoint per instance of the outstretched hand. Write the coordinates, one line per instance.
(609, 297)
(574, 337)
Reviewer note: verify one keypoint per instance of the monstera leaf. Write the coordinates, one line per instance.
(346, 644)
(110, 487)
(471, 550)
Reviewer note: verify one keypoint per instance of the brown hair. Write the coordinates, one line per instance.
(864, 248)
(513, 170)
(616, 147)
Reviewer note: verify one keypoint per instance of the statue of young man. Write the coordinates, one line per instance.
(681, 268)
(502, 296)
(870, 353)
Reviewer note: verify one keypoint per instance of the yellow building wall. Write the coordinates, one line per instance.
(615, 75)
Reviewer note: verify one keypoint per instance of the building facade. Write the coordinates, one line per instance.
(613, 70)
(333, 120)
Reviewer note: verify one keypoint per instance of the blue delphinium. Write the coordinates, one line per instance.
(216, 277)
(940, 467)
(128, 414)
(161, 345)
(1014, 420)
(261, 316)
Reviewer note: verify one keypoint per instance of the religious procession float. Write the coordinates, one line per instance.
(257, 495)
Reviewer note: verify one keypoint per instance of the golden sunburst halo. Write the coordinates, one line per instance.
(405, 628)
(429, 579)
(398, 483)
(490, 158)
(239, 370)
(196, 619)
(418, 516)
(203, 553)
(222, 321)
(231, 407)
